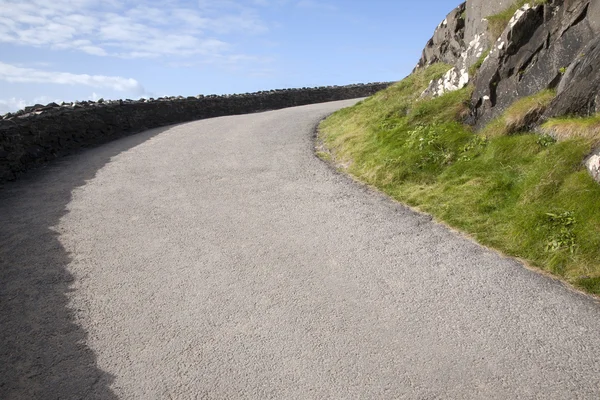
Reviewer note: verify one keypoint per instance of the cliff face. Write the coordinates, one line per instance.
(534, 52)
(554, 45)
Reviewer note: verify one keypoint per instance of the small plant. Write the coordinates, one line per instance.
(563, 238)
(546, 140)
(562, 70)
(498, 22)
(473, 147)
(475, 67)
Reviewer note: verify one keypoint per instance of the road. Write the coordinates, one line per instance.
(220, 259)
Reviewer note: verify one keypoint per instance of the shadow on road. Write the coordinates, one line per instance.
(43, 352)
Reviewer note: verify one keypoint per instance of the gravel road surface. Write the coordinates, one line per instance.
(220, 259)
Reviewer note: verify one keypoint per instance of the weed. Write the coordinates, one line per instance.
(562, 226)
(498, 22)
(475, 67)
(546, 140)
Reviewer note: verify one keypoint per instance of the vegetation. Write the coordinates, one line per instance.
(520, 115)
(569, 128)
(475, 67)
(498, 22)
(526, 195)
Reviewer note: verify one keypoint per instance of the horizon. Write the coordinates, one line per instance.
(82, 50)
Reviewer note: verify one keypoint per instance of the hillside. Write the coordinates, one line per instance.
(496, 132)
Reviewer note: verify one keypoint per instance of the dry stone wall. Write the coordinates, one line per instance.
(37, 134)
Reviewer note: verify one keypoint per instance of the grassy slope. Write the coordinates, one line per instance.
(523, 194)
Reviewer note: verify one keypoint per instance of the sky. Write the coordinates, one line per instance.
(67, 50)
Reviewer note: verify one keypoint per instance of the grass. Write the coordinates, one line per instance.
(525, 195)
(475, 67)
(498, 22)
(520, 115)
(570, 128)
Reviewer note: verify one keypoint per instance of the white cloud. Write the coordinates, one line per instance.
(94, 96)
(13, 104)
(12, 73)
(125, 29)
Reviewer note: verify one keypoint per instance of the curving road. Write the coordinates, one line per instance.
(220, 259)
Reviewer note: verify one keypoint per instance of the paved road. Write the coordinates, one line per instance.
(220, 259)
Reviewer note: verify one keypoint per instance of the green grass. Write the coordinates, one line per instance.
(520, 114)
(498, 22)
(525, 194)
(574, 127)
(475, 67)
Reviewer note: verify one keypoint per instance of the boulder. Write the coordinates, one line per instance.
(593, 165)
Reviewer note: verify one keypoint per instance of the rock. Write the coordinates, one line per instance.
(38, 136)
(593, 165)
(579, 90)
(476, 24)
(32, 108)
(452, 80)
(531, 53)
(447, 43)
(100, 100)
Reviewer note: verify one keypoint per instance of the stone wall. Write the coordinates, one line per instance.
(38, 134)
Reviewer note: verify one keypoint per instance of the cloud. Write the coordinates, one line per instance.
(14, 104)
(12, 73)
(125, 29)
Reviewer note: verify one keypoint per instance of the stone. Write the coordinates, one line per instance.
(579, 90)
(452, 80)
(530, 55)
(447, 43)
(38, 136)
(593, 165)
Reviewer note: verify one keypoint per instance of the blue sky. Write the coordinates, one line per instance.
(66, 50)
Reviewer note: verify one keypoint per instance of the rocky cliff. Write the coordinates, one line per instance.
(551, 44)
(544, 44)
